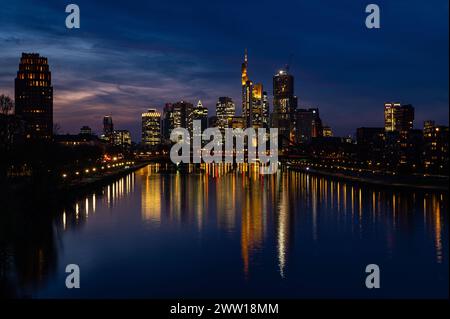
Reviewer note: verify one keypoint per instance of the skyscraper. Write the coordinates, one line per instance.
(34, 96)
(108, 128)
(257, 106)
(284, 105)
(200, 113)
(435, 138)
(151, 128)
(247, 92)
(225, 110)
(121, 138)
(397, 117)
(265, 110)
(182, 115)
(167, 121)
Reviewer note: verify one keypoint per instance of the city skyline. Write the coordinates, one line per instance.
(148, 74)
(224, 153)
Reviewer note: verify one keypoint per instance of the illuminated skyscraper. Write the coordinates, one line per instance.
(225, 110)
(397, 117)
(108, 129)
(151, 128)
(200, 113)
(121, 138)
(257, 112)
(435, 138)
(167, 121)
(182, 115)
(244, 82)
(247, 92)
(284, 105)
(34, 96)
(265, 110)
(255, 106)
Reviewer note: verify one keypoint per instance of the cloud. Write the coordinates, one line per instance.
(131, 55)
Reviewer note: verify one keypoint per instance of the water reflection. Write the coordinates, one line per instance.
(151, 194)
(278, 220)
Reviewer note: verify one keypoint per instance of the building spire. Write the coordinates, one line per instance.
(245, 56)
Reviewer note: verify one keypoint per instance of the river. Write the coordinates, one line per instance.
(228, 233)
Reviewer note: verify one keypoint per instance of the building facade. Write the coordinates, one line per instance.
(151, 128)
(108, 129)
(34, 97)
(182, 114)
(225, 110)
(307, 124)
(398, 117)
(436, 157)
(284, 106)
(200, 113)
(121, 138)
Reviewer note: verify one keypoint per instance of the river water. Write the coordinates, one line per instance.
(230, 233)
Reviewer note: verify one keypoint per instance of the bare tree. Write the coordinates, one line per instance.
(6, 104)
(8, 122)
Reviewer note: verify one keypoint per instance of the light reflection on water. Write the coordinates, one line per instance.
(242, 234)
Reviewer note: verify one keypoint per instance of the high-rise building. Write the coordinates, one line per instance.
(257, 112)
(34, 96)
(397, 117)
(151, 128)
(284, 106)
(225, 110)
(182, 115)
(108, 126)
(246, 89)
(265, 110)
(121, 138)
(307, 124)
(200, 113)
(255, 106)
(167, 121)
(436, 157)
(108, 129)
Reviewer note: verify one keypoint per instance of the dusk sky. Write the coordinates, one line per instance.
(131, 55)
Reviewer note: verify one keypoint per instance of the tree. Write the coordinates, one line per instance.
(6, 104)
(6, 132)
(9, 124)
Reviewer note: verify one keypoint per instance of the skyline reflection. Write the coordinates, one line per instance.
(275, 226)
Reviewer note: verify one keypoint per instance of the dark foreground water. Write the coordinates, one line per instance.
(221, 233)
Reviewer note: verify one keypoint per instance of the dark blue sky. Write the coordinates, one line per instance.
(130, 55)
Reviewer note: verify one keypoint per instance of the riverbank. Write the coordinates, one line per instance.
(87, 183)
(432, 183)
(47, 189)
